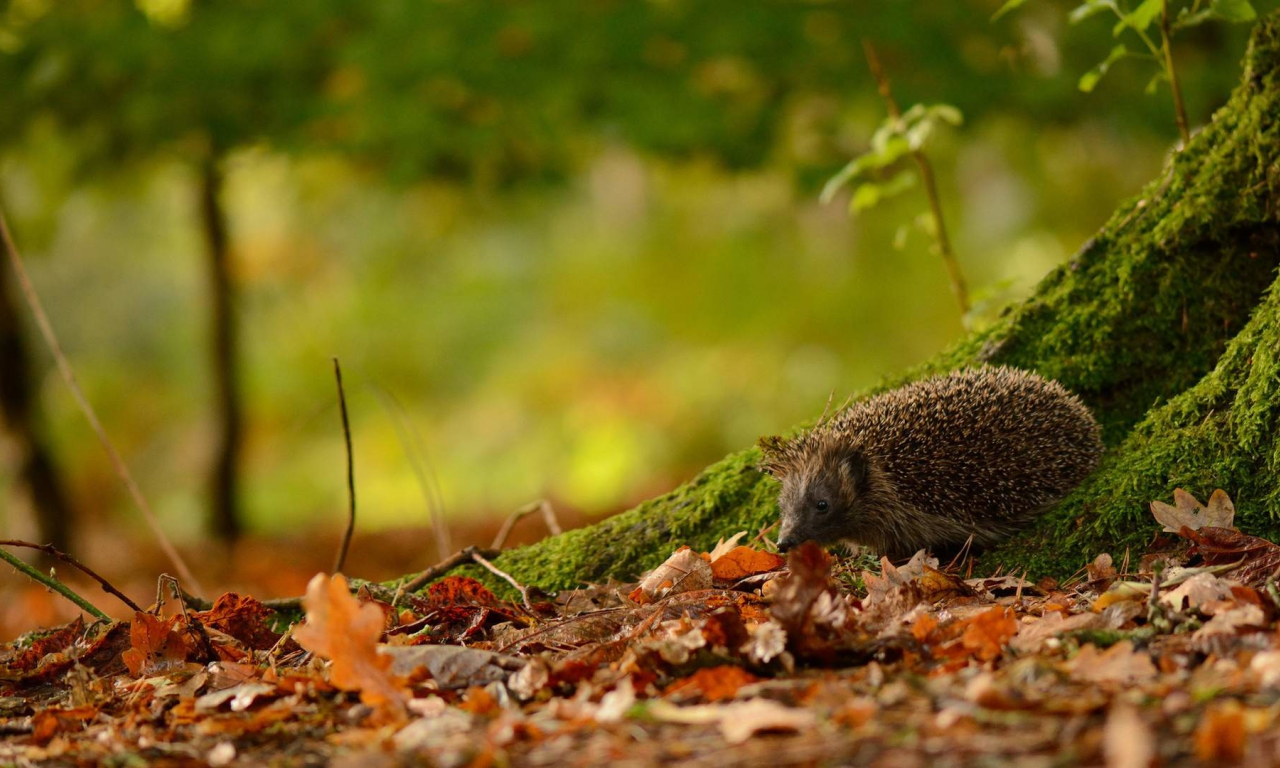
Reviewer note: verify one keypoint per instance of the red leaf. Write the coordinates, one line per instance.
(460, 590)
(242, 617)
(154, 645)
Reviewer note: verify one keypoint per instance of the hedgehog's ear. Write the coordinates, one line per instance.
(854, 470)
(773, 450)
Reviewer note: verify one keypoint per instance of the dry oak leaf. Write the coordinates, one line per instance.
(741, 562)
(342, 630)
(156, 646)
(1188, 511)
(1196, 591)
(1127, 741)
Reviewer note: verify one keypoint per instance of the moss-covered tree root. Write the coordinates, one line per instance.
(1163, 323)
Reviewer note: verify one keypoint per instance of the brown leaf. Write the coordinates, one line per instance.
(1118, 664)
(1190, 513)
(50, 722)
(1258, 558)
(684, 571)
(1196, 591)
(54, 642)
(460, 590)
(1219, 738)
(242, 617)
(1127, 741)
(155, 645)
(342, 630)
(986, 634)
(741, 562)
(713, 683)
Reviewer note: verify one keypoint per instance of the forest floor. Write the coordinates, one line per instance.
(736, 656)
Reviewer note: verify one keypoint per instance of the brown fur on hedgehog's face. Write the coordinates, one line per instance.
(820, 493)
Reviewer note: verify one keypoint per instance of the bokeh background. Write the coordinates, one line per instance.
(564, 250)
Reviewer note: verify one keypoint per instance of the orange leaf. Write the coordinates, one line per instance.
(741, 562)
(714, 683)
(986, 634)
(342, 630)
(155, 645)
(923, 627)
(1220, 736)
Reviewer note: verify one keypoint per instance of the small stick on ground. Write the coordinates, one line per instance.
(69, 376)
(51, 551)
(351, 474)
(958, 287)
(458, 558)
(53, 584)
(548, 517)
(496, 571)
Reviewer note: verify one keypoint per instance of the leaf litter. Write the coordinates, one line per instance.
(731, 656)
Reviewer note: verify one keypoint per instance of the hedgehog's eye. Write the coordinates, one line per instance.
(823, 505)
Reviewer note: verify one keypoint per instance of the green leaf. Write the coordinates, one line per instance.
(1187, 19)
(1008, 7)
(1233, 11)
(893, 149)
(1089, 79)
(1091, 8)
(869, 194)
(1154, 84)
(1139, 18)
(947, 113)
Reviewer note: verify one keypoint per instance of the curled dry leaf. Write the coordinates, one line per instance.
(1258, 558)
(1196, 591)
(1188, 512)
(342, 630)
(685, 571)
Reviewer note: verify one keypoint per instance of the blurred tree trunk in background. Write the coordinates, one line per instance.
(20, 415)
(224, 517)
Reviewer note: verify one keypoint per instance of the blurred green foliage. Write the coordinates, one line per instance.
(580, 243)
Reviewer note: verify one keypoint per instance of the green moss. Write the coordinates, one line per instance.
(1142, 323)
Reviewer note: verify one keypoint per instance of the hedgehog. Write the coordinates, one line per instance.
(964, 459)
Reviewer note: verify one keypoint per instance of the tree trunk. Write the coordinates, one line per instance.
(1167, 323)
(20, 412)
(224, 518)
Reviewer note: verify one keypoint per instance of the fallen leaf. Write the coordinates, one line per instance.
(713, 683)
(342, 630)
(50, 722)
(54, 642)
(1258, 558)
(1219, 738)
(1127, 741)
(684, 571)
(738, 721)
(986, 634)
(1199, 589)
(1190, 513)
(452, 666)
(155, 645)
(241, 697)
(741, 562)
(1118, 664)
(725, 546)
(460, 590)
(243, 618)
(1230, 622)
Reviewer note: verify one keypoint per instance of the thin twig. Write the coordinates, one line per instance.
(496, 571)
(548, 516)
(351, 474)
(69, 376)
(52, 583)
(51, 551)
(1179, 110)
(458, 558)
(958, 287)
